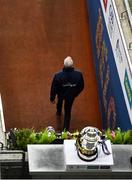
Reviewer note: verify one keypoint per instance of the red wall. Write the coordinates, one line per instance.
(35, 37)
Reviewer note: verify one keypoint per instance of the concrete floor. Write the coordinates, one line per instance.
(35, 37)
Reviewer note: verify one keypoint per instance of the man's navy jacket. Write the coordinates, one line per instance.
(66, 84)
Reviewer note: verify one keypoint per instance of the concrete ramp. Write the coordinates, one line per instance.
(35, 37)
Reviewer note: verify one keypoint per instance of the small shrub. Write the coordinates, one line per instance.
(24, 137)
(20, 138)
(118, 136)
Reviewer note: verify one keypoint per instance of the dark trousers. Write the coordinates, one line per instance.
(67, 110)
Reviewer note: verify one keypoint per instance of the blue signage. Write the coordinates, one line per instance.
(112, 104)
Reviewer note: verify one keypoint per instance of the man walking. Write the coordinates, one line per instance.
(66, 85)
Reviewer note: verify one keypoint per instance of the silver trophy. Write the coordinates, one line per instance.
(87, 143)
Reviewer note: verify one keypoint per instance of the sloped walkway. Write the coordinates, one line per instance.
(35, 37)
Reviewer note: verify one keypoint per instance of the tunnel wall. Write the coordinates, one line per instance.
(114, 107)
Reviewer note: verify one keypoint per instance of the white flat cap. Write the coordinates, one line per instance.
(68, 62)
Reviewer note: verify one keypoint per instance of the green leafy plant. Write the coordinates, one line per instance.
(109, 134)
(46, 137)
(64, 134)
(75, 134)
(118, 136)
(24, 137)
(20, 138)
(127, 139)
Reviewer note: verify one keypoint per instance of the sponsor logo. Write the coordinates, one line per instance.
(105, 4)
(111, 21)
(111, 114)
(69, 85)
(104, 73)
(118, 51)
(99, 33)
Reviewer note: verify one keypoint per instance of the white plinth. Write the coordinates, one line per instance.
(73, 162)
(45, 158)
